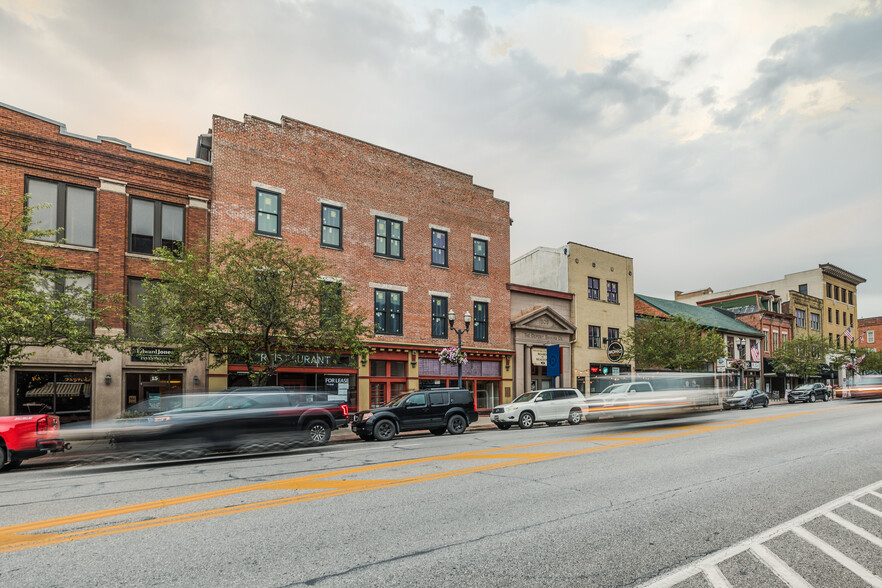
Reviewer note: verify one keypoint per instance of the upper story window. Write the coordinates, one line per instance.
(815, 323)
(829, 290)
(612, 292)
(783, 337)
(800, 317)
(851, 297)
(439, 247)
(269, 215)
(803, 288)
(135, 289)
(70, 283)
(387, 312)
(388, 238)
(479, 262)
(766, 340)
(480, 318)
(330, 302)
(774, 340)
(837, 317)
(593, 336)
(836, 292)
(154, 224)
(871, 336)
(593, 289)
(332, 226)
(829, 315)
(439, 317)
(850, 319)
(70, 209)
(612, 334)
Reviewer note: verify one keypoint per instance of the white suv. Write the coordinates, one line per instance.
(551, 406)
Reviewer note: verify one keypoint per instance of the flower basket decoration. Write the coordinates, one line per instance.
(452, 356)
(739, 364)
(852, 367)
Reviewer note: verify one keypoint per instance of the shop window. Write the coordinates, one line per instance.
(479, 261)
(68, 209)
(593, 336)
(268, 220)
(439, 317)
(486, 394)
(154, 224)
(387, 312)
(593, 288)
(439, 248)
(480, 321)
(67, 394)
(332, 226)
(388, 238)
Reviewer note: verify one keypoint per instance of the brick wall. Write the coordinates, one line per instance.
(873, 324)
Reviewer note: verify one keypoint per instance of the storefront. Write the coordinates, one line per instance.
(601, 370)
(65, 393)
(482, 376)
(533, 332)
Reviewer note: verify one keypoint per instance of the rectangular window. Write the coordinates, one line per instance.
(387, 312)
(439, 317)
(593, 336)
(837, 317)
(593, 288)
(800, 317)
(803, 288)
(269, 216)
(330, 303)
(154, 224)
(612, 334)
(783, 338)
(851, 297)
(332, 226)
(829, 315)
(766, 340)
(439, 248)
(73, 284)
(850, 319)
(829, 290)
(836, 292)
(815, 321)
(480, 318)
(612, 292)
(388, 238)
(774, 340)
(871, 336)
(71, 209)
(67, 394)
(134, 291)
(479, 263)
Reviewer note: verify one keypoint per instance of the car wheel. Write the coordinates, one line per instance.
(812, 397)
(526, 420)
(575, 416)
(790, 400)
(2, 456)
(457, 425)
(365, 437)
(384, 430)
(318, 432)
(504, 426)
(437, 431)
(826, 397)
(766, 404)
(749, 404)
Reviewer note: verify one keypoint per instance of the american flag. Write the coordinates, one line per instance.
(848, 334)
(755, 352)
(861, 358)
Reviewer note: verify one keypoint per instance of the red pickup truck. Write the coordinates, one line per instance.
(28, 435)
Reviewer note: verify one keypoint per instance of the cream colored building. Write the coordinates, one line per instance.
(602, 284)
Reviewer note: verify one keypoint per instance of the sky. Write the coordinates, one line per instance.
(718, 144)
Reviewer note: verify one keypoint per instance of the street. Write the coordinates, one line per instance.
(678, 502)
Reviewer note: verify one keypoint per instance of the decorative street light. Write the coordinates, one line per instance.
(467, 319)
(853, 364)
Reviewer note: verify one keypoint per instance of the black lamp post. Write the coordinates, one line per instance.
(467, 318)
(853, 365)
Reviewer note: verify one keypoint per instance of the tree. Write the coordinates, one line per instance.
(871, 363)
(807, 356)
(675, 343)
(258, 302)
(41, 305)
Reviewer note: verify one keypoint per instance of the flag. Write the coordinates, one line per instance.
(755, 352)
(861, 358)
(861, 338)
(848, 334)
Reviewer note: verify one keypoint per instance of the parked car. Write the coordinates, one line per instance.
(439, 410)
(552, 406)
(746, 399)
(809, 393)
(26, 436)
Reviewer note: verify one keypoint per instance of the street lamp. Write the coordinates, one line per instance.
(467, 319)
(853, 365)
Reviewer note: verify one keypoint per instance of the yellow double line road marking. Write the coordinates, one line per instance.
(320, 486)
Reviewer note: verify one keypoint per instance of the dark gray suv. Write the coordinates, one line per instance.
(444, 409)
(809, 393)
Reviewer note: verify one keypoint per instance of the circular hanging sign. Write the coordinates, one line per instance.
(615, 351)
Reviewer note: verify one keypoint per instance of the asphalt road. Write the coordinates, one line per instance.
(679, 502)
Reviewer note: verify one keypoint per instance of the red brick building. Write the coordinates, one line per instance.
(415, 240)
(115, 204)
(869, 335)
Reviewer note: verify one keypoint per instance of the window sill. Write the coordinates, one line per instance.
(142, 256)
(480, 273)
(61, 245)
(444, 267)
(389, 334)
(268, 236)
(334, 247)
(389, 257)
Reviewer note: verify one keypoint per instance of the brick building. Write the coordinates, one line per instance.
(414, 239)
(115, 204)
(869, 333)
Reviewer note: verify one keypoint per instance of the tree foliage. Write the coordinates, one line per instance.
(258, 302)
(41, 305)
(872, 362)
(674, 343)
(808, 356)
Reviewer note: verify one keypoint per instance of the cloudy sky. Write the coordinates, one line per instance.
(717, 143)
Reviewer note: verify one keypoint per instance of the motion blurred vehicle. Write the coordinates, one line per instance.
(862, 386)
(26, 436)
(808, 393)
(652, 396)
(746, 399)
(438, 410)
(234, 421)
(552, 407)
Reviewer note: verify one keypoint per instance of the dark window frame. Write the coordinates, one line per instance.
(799, 317)
(388, 313)
(59, 285)
(593, 288)
(439, 319)
(339, 229)
(157, 223)
(612, 292)
(443, 251)
(480, 328)
(61, 210)
(594, 336)
(612, 334)
(389, 222)
(476, 256)
(257, 212)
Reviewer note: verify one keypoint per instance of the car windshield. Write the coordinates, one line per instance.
(742, 393)
(615, 389)
(525, 397)
(804, 387)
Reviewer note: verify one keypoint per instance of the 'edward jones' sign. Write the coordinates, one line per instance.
(151, 354)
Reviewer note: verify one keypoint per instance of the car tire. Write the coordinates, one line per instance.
(2, 457)
(790, 400)
(438, 430)
(526, 420)
(318, 432)
(457, 425)
(365, 437)
(749, 405)
(504, 426)
(766, 404)
(384, 430)
(826, 397)
(575, 416)
(812, 397)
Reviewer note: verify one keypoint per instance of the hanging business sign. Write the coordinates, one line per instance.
(539, 356)
(552, 357)
(615, 351)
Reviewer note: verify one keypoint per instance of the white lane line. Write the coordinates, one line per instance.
(876, 494)
(854, 529)
(869, 509)
(715, 577)
(787, 574)
(862, 572)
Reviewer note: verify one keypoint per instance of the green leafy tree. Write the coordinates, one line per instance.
(40, 305)
(259, 302)
(807, 356)
(872, 362)
(674, 343)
